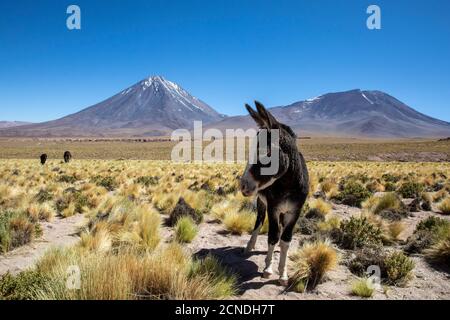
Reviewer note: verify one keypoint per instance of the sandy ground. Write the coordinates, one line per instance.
(59, 232)
(428, 282)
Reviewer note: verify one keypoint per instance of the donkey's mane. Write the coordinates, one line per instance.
(288, 130)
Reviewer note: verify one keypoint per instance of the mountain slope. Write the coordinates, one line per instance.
(354, 113)
(154, 106)
(10, 124)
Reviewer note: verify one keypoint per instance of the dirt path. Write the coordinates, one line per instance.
(59, 232)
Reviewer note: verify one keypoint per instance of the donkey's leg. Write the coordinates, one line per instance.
(274, 237)
(282, 268)
(290, 219)
(261, 208)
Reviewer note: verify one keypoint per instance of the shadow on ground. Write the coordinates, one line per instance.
(237, 262)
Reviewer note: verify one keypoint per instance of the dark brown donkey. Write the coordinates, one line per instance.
(282, 193)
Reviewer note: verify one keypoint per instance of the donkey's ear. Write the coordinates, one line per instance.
(255, 116)
(266, 116)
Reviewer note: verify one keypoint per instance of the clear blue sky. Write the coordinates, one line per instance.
(224, 52)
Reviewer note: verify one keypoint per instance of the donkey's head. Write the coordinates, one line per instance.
(269, 161)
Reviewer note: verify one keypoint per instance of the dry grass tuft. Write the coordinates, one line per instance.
(185, 230)
(239, 222)
(444, 206)
(311, 262)
(320, 206)
(395, 229)
(166, 274)
(362, 288)
(439, 253)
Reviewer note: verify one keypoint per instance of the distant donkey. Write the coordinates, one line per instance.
(67, 156)
(43, 158)
(282, 194)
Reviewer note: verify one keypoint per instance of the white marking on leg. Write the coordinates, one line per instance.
(252, 242)
(282, 268)
(268, 269)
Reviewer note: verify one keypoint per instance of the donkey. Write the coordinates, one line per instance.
(43, 158)
(67, 156)
(282, 194)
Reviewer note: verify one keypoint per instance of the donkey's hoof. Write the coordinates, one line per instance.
(267, 274)
(283, 282)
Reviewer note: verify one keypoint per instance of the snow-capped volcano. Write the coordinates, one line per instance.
(156, 106)
(354, 113)
(153, 106)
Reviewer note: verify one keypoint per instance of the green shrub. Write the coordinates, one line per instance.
(419, 241)
(366, 257)
(147, 180)
(395, 268)
(23, 286)
(22, 231)
(432, 223)
(362, 177)
(398, 268)
(5, 235)
(353, 194)
(81, 202)
(43, 196)
(109, 183)
(67, 179)
(75, 198)
(359, 232)
(389, 206)
(390, 187)
(410, 189)
(16, 229)
(306, 226)
(388, 177)
(428, 232)
(61, 204)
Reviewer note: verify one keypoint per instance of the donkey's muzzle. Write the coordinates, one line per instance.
(247, 187)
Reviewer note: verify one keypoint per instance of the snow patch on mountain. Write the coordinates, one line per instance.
(313, 99)
(365, 97)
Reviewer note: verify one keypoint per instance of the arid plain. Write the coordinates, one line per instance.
(137, 226)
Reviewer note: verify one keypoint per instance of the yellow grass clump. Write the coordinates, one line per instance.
(321, 206)
(444, 206)
(311, 263)
(362, 288)
(185, 230)
(165, 274)
(240, 222)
